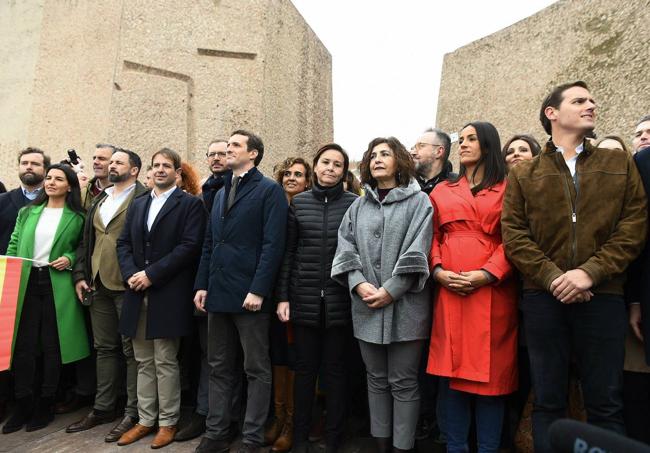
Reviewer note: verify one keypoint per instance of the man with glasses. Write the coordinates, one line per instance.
(431, 157)
(216, 157)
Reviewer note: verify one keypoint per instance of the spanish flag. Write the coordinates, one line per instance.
(10, 270)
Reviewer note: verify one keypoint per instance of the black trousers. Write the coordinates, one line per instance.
(37, 335)
(315, 346)
(636, 397)
(594, 332)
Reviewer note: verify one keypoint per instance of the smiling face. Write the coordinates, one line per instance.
(56, 184)
(518, 151)
(294, 180)
(469, 148)
(576, 113)
(383, 164)
(329, 168)
(238, 156)
(164, 173)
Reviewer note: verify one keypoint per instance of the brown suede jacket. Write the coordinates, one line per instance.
(551, 225)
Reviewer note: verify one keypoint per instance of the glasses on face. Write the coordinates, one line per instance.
(420, 145)
(220, 155)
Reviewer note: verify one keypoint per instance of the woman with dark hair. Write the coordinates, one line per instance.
(384, 241)
(50, 325)
(317, 306)
(352, 184)
(612, 142)
(474, 334)
(520, 147)
(294, 175)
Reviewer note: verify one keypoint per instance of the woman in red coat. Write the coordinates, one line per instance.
(474, 335)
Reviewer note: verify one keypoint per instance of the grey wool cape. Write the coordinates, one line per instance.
(387, 244)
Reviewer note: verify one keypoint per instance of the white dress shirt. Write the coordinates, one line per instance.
(157, 202)
(571, 163)
(112, 203)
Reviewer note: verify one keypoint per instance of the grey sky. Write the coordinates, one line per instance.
(387, 58)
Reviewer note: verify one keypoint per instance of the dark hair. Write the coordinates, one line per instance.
(106, 145)
(332, 147)
(494, 170)
(616, 138)
(534, 145)
(189, 179)
(643, 120)
(554, 99)
(444, 138)
(353, 183)
(169, 154)
(33, 150)
(134, 159)
(73, 198)
(254, 143)
(288, 163)
(405, 166)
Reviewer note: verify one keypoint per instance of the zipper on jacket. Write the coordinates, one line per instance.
(574, 216)
(322, 261)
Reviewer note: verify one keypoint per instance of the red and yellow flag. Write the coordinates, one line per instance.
(10, 270)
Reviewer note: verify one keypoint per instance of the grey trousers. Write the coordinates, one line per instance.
(226, 331)
(111, 346)
(159, 377)
(393, 394)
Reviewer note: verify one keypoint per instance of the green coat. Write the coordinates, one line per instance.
(73, 339)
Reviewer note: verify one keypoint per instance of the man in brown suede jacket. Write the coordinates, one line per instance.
(573, 219)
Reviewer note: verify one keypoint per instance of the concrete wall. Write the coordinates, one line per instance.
(504, 77)
(145, 74)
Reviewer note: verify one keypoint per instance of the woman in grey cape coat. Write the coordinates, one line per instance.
(382, 256)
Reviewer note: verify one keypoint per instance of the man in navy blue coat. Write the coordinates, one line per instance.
(158, 252)
(242, 251)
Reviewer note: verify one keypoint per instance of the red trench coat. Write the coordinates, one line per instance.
(474, 337)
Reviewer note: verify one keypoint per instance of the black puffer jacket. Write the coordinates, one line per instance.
(312, 235)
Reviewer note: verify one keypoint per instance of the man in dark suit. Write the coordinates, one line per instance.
(158, 252)
(32, 163)
(242, 252)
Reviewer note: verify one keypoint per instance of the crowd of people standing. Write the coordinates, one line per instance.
(463, 295)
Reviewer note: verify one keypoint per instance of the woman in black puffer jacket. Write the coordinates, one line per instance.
(319, 308)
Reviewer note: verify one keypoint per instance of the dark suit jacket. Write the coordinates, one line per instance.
(169, 254)
(244, 246)
(10, 204)
(639, 275)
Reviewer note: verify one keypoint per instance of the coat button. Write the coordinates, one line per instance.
(377, 234)
(377, 266)
(146, 262)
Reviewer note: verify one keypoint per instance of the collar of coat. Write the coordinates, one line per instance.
(332, 193)
(399, 193)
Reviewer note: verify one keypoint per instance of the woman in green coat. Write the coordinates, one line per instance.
(50, 326)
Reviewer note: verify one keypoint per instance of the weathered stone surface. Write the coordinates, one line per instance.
(143, 75)
(504, 77)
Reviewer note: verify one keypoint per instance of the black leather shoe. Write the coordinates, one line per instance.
(192, 429)
(90, 421)
(22, 412)
(208, 445)
(123, 426)
(42, 416)
(248, 448)
(73, 404)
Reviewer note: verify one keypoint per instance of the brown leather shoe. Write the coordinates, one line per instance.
(164, 437)
(134, 434)
(123, 426)
(90, 421)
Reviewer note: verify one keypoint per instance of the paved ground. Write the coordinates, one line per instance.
(54, 439)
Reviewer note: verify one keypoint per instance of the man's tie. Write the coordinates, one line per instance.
(233, 191)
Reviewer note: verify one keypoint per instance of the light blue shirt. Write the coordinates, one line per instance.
(571, 163)
(157, 202)
(31, 195)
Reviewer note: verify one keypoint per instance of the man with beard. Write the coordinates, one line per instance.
(431, 157)
(97, 272)
(217, 162)
(101, 159)
(32, 163)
